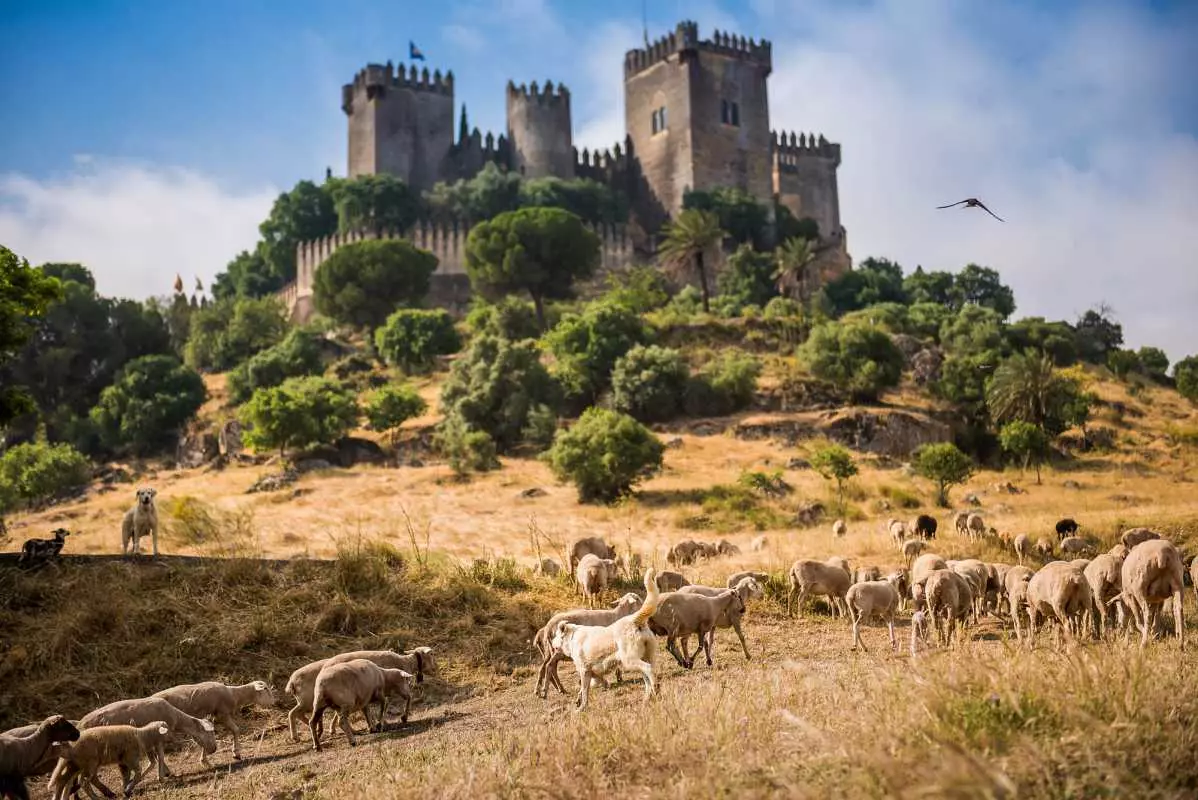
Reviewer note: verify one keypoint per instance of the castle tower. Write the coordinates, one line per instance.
(400, 122)
(804, 174)
(538, 124)
(698, 114)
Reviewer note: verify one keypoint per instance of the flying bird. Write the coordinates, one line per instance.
(973, 202)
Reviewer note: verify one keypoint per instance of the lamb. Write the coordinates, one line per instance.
(949, 599)
(139, 521)
(759, 543)
(1075, 545)
(839, 529)
(976, 526)
(1104, 574)
(669, 581)
(898, 531)
(809, 577)
(593, 574)
(23, 752)
(869, 599)
(911, 550)
(899, 580)
(1151, 574)
(1135, 536)
(1066, 527)
(761, 578)
(628, 642)
(579, 616)
(1016, 583)
(925, 526)
(593, 545)
(1023, 547)
(996, 587)
(352, 686)
(919, 629)
(153, 709)
(749, 589)
(1043, 548)
(37, 551)
(1059, 589)
(680, 614)
(302, 682)
(219, 701)
(123, 745)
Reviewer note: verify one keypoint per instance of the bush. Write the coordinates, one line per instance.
(586, 347)
(392, 406)
(361, 283)
(298, 413)
(35, 472)
(541, 427)
(411, 339)
(466, 449)
(944, 465)
(648, 383)
(1185, 372)
(509, 318)
(151, 400)
(298, 354)
(1123, 362)
(782, 308)
(639, 289)
(604, 455)
(833, 462)
(227, 332)
(859, 359)
(724, 386)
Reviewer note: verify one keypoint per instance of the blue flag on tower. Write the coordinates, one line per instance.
(414, 52)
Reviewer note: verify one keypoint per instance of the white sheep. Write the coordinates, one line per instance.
(961, 523)
(543, 638)
(870, 599)
(1105, 576)
(1015, 583)
(923, 566)
(352, 686)
(749, 588)
(949, 599)
(593, 575)
(25, 751)
(898, 531)
(139, 521)
(976, 526)
(809, 577)
(122, 745)
(593, 545)
(978, 575)
(302, 683)
(911, 550)
(669, 581)
(761, 577)
(549, 568)
(759, 543)
(1059, 592)
(1075, 546)
(919, 629)
(681, 614)
(219, 701)
(1023, 547)
(1134, 536)
(145, 710)
(1043, 548)
(727, 548)
(1151, 574)
(839, 529)
(864, 574)
(842, 562)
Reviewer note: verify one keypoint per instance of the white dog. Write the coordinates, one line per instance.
(141, 520)
(627, 643)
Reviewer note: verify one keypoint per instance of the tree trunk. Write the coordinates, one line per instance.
(701, 268)
(538, 303)
(1037, 473)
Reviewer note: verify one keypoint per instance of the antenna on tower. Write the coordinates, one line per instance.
(645, 21)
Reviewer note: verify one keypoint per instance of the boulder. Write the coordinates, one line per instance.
(925, 366)
(353, 450)
(274, 482)
(230, 439)
(196, 449)
(884, 432)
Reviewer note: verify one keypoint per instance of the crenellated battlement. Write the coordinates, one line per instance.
(686, 37)
(788, 148)
(374, 80)
(549, 95)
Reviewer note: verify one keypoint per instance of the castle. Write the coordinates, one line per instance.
(696, 117)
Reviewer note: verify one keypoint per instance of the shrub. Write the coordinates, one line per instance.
(541, 426)
(724, 386)
(300, 412)
(1025, 441)
(509, 318)
(34, 472)
(604, 455)
(1185, 372)
(1154, 362)
(834, 462)
(411, 339)
(361, 283)
(466, 449)
(298, 354)
(1123, 362)
(392, 406)
(639, 289)
(227, 332)
(782, 308)
(586, 347)
(944, 465)
(769, 484)
(150, 402)
(859, 359)
(648, 383)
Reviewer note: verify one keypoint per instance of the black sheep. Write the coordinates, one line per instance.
(1066, 527)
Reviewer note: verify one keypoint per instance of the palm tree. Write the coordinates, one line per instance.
(688, 238)
(1025, 387)
(797, 258)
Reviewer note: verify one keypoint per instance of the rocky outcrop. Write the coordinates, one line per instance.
(884, 432)
(196, 449)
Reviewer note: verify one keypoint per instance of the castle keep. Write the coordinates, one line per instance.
(696, 117)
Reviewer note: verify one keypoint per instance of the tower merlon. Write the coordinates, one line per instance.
(374, 80)
(686, 38)
(789, 146)
(549, 95)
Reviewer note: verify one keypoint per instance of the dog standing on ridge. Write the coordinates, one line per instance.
(141, 520)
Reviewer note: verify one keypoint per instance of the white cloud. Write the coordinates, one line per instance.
(134, 226)
(1072, 141)
(600, 101)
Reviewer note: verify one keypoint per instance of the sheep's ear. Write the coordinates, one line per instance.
(260, 686)
(163, 730)
(208, 726)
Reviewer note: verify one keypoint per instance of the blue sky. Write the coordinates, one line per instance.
(148, 138)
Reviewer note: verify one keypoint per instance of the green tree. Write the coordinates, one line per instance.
(740, 216)
(34, 472)
(376, 203)
(25, 294)
(649, 383)
(724, 385)
(1185, 372)
(392, 406)
(787, 226)
(542, 251)
(1154, 362)
(936, 287)
(249, 274)
(1098, 334)
(688, 240)
(144, 410)
(225, 333)
(1058, 339)
(747, 279)
(485, 196)
(586, 346)
(834, 462)
(604, 454)
(360, 284)
(873, 281)
(412, 338)
(1123, 362)
(589, 200)
(1025, 441)
(298, 354)
(508, 318)
(1026, 387)
(305, 213)
(467, 449)
(298, 413)
(981, 286)
(944, 465)
(972, 331)
(798, 269)
(639, 289)
(859, 359)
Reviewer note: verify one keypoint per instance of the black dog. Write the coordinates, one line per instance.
(42, 550)
(1066, 527)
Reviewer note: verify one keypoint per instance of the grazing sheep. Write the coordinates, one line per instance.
(25, 755)
(593, 574)
(302, 683)
(961, 523)
(809, 577)
(549, 568)
(145, 710)
(727, 548)
(1060, 593)
(579, 616)
(219, 701)
(864, 574)
(839, 529)
(593, 545)
(911, 550)
(680, 614)
(1105, 576)
(1015, 583)
(749, 588)
(919, 629)
(898, 531)
(925, 526)
(1119, 551)
(870, 599)
(923, 567)
(139, 521)
(996, 588)
(123, 745)
(684, 553)
(761, 577)
(628, 642)
(38, 551)
(1135, 536)
(669, 581)
(1043, 548)
(976, 526)
(708, 550)
(352, 686)
(1075, 546)
(949, 599)
(1152, 573)
(1023, 547)
(978, 575)
(759, 543)
(1066, 527)
(902, 584)
(840, 561)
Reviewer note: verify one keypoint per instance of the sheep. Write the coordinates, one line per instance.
(219, 701)
(814, 578)
(628, 642)
(839, 529)
(680, 614)
(579, 616)
(1015, 583)
(37, 551)
(1105, 576)
(123, 745)
(868, 599)
(708, 550)
(1065, 528)
(996, 588)
(949, 599)
(669, 581)
(978, 575)
(759, 543)
(727, 548)
(1135, 536)
(923, 567)
(961, 523)
(684, 553)
(549, 568)
(1059, 589)
(919, 629)
(902, 584)
(1043, 548)
(761, 577)
(24, 752)
(1075, 545)
(593, 545)
(749, 589)
(302, 683)
(911, 550)
(865, 574)
(139, 521)
(976, 526)
(1151, 574)
(593, 574)
(46, 765)
(1119, 551)
(924, 526)
(898, 531)
(840, 561)
(352, 686)
(154, 709)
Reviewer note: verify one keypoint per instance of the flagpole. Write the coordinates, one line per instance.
(645, 21)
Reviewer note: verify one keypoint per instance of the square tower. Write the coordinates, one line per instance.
(698, 115)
